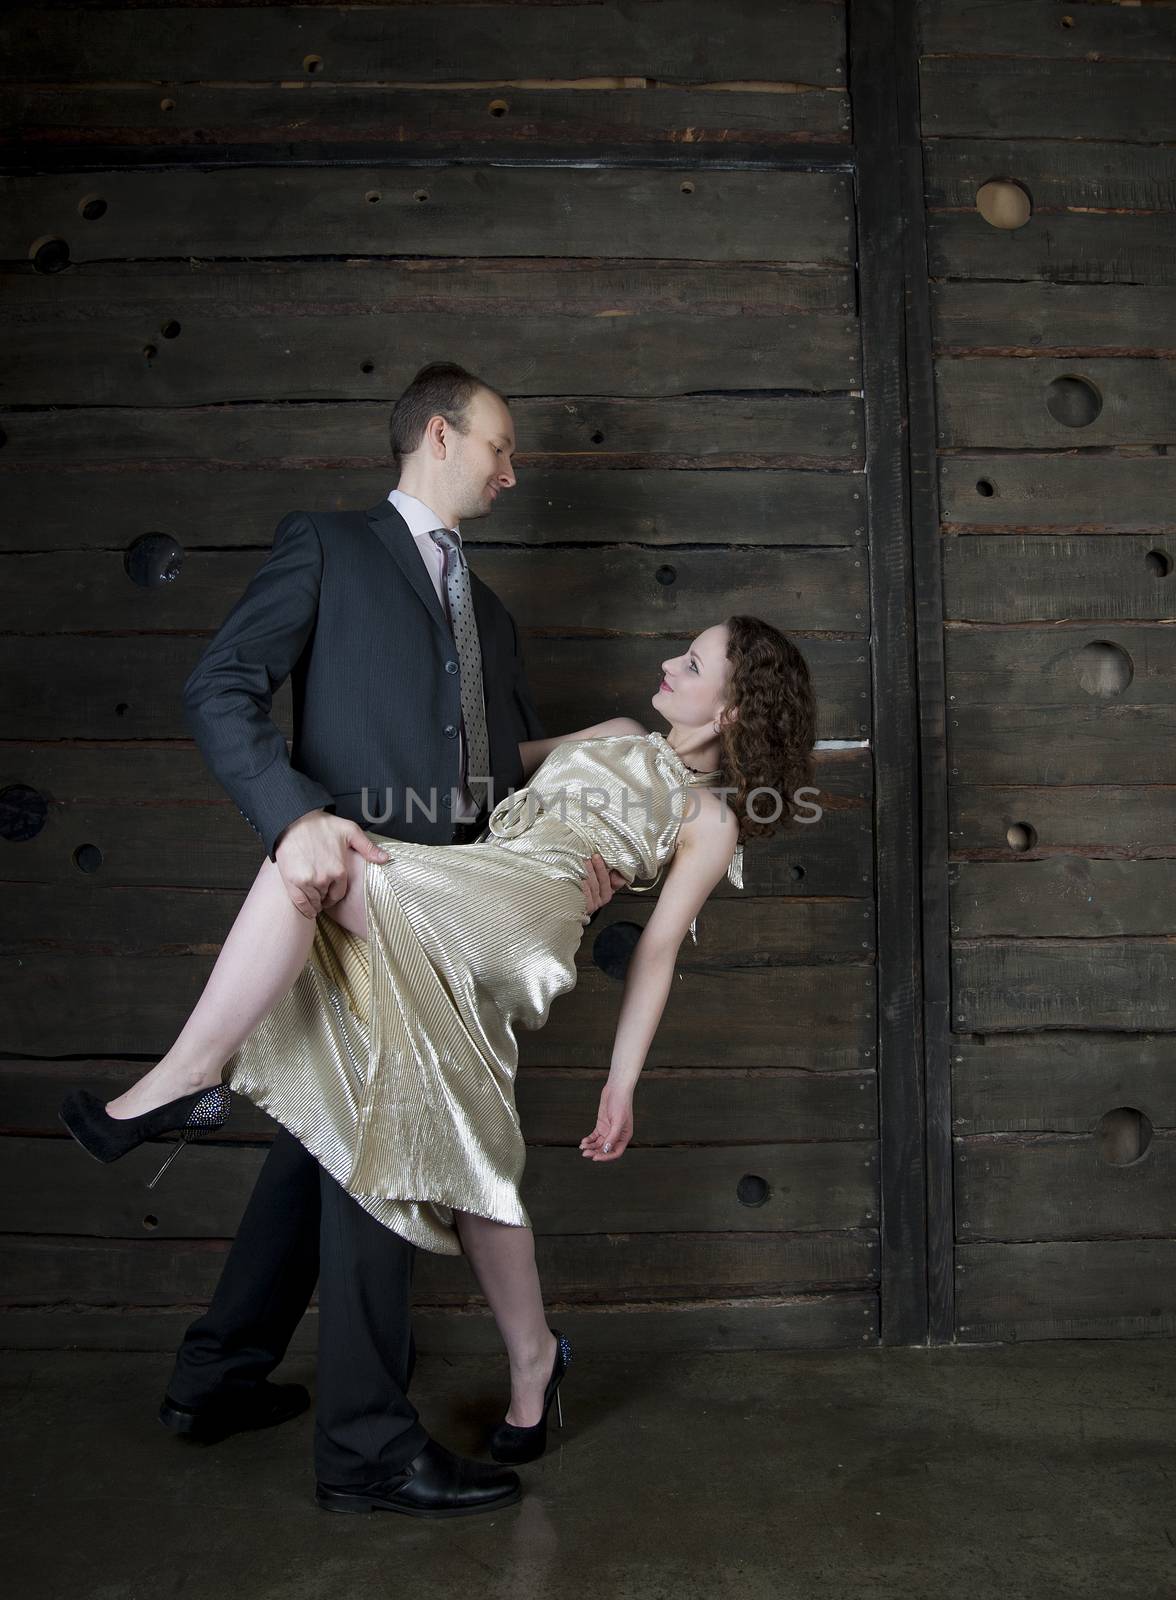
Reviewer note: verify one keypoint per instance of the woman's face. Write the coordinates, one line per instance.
(692, 693)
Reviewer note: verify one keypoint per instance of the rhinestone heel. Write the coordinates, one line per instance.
(106, 1138)
(508, 1443)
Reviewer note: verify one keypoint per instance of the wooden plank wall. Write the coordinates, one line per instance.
(225, 251)
(1055, 379)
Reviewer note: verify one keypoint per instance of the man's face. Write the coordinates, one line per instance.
(479, 461)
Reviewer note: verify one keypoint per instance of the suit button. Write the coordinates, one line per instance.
(451, 666)
(449, 731)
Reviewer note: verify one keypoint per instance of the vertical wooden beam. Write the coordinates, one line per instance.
(879, 112)
(927, 560)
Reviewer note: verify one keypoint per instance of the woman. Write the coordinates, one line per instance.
(382, 1034)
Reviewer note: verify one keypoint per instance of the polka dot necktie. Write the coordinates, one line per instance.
(469, 656)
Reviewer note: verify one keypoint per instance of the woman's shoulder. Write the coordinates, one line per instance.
(712, 820)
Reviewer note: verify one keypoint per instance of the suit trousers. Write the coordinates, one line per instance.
(300, 1225)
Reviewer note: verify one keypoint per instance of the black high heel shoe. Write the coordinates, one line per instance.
(106, 1137)
(508, 1443)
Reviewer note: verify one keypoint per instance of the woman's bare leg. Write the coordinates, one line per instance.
(503, 1258)
(266, 948)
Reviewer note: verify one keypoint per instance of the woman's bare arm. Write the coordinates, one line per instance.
(533, 752)
(706, 843)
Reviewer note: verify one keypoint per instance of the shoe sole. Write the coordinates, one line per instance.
(363, 1503)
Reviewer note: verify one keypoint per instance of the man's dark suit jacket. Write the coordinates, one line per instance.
(344, 607)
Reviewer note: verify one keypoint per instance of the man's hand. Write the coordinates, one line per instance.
(312, 857)
(600, 884)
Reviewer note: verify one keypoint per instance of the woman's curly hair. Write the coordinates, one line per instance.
(769, 743)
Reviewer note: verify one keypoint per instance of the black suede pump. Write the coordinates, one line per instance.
(508, 1443)
(106, 1137)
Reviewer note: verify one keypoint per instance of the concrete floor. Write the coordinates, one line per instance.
(1044, 1470)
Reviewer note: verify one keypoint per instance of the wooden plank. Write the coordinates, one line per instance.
(884, 125)
(1059, 1082)
(52, 1188)
(746, 931)
(643, 214)
(1016, 985)
(1010, 1186)
(129, 686)
(143, 800)
(1064, 897)
(1000, 402)
(1028, 666)
(658, 39)
(818, 1321)
(679, 1105)
(1085, 1289)
(337, 121)
(253, 353)
(458, 285)
(584, 1269)
(607, 590)
(1036, 28)
(809, 1017)
(1024, 578)
(1082, 744)
(1055, 319)
(1104, 820)
(1092, 248)
(1077, 493)
(1029, 99)
(1058, 173)
(240, 506)
(786, 431)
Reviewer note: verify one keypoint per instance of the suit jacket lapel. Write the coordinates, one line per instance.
(394, 534)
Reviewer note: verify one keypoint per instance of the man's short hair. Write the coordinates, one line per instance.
(440, 389)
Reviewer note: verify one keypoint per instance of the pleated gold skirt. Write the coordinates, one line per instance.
(393, 1058)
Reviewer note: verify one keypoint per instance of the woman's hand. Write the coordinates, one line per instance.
(614, 1125)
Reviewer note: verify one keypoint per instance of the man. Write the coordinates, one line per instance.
(406, 676)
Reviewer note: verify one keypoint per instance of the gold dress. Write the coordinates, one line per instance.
(393, 1058)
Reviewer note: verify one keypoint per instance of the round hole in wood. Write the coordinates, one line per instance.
(91, 208)
(796, 872)
(170, 330)
(49, 255)
(87, 858)
(421, 196)
(752, 1190)
(498, 108)
(613, 947)
(312, 64)
(150, 352)
(1159, 562)
(22, 812)
(167, 104)
(985, 488)
(372, 197)
(367, 366)
(665, 576)
(1021, 836)
(153, 560)
(122, 708)
(1067, 22)
(598, 437)
(1004, 203)
(150, 1222)
(1103, 668)
(687, 187)
(1073, 401)
(1124, 1136)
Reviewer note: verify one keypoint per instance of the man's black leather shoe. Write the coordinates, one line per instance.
(435, 1483)
(261, 1407)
